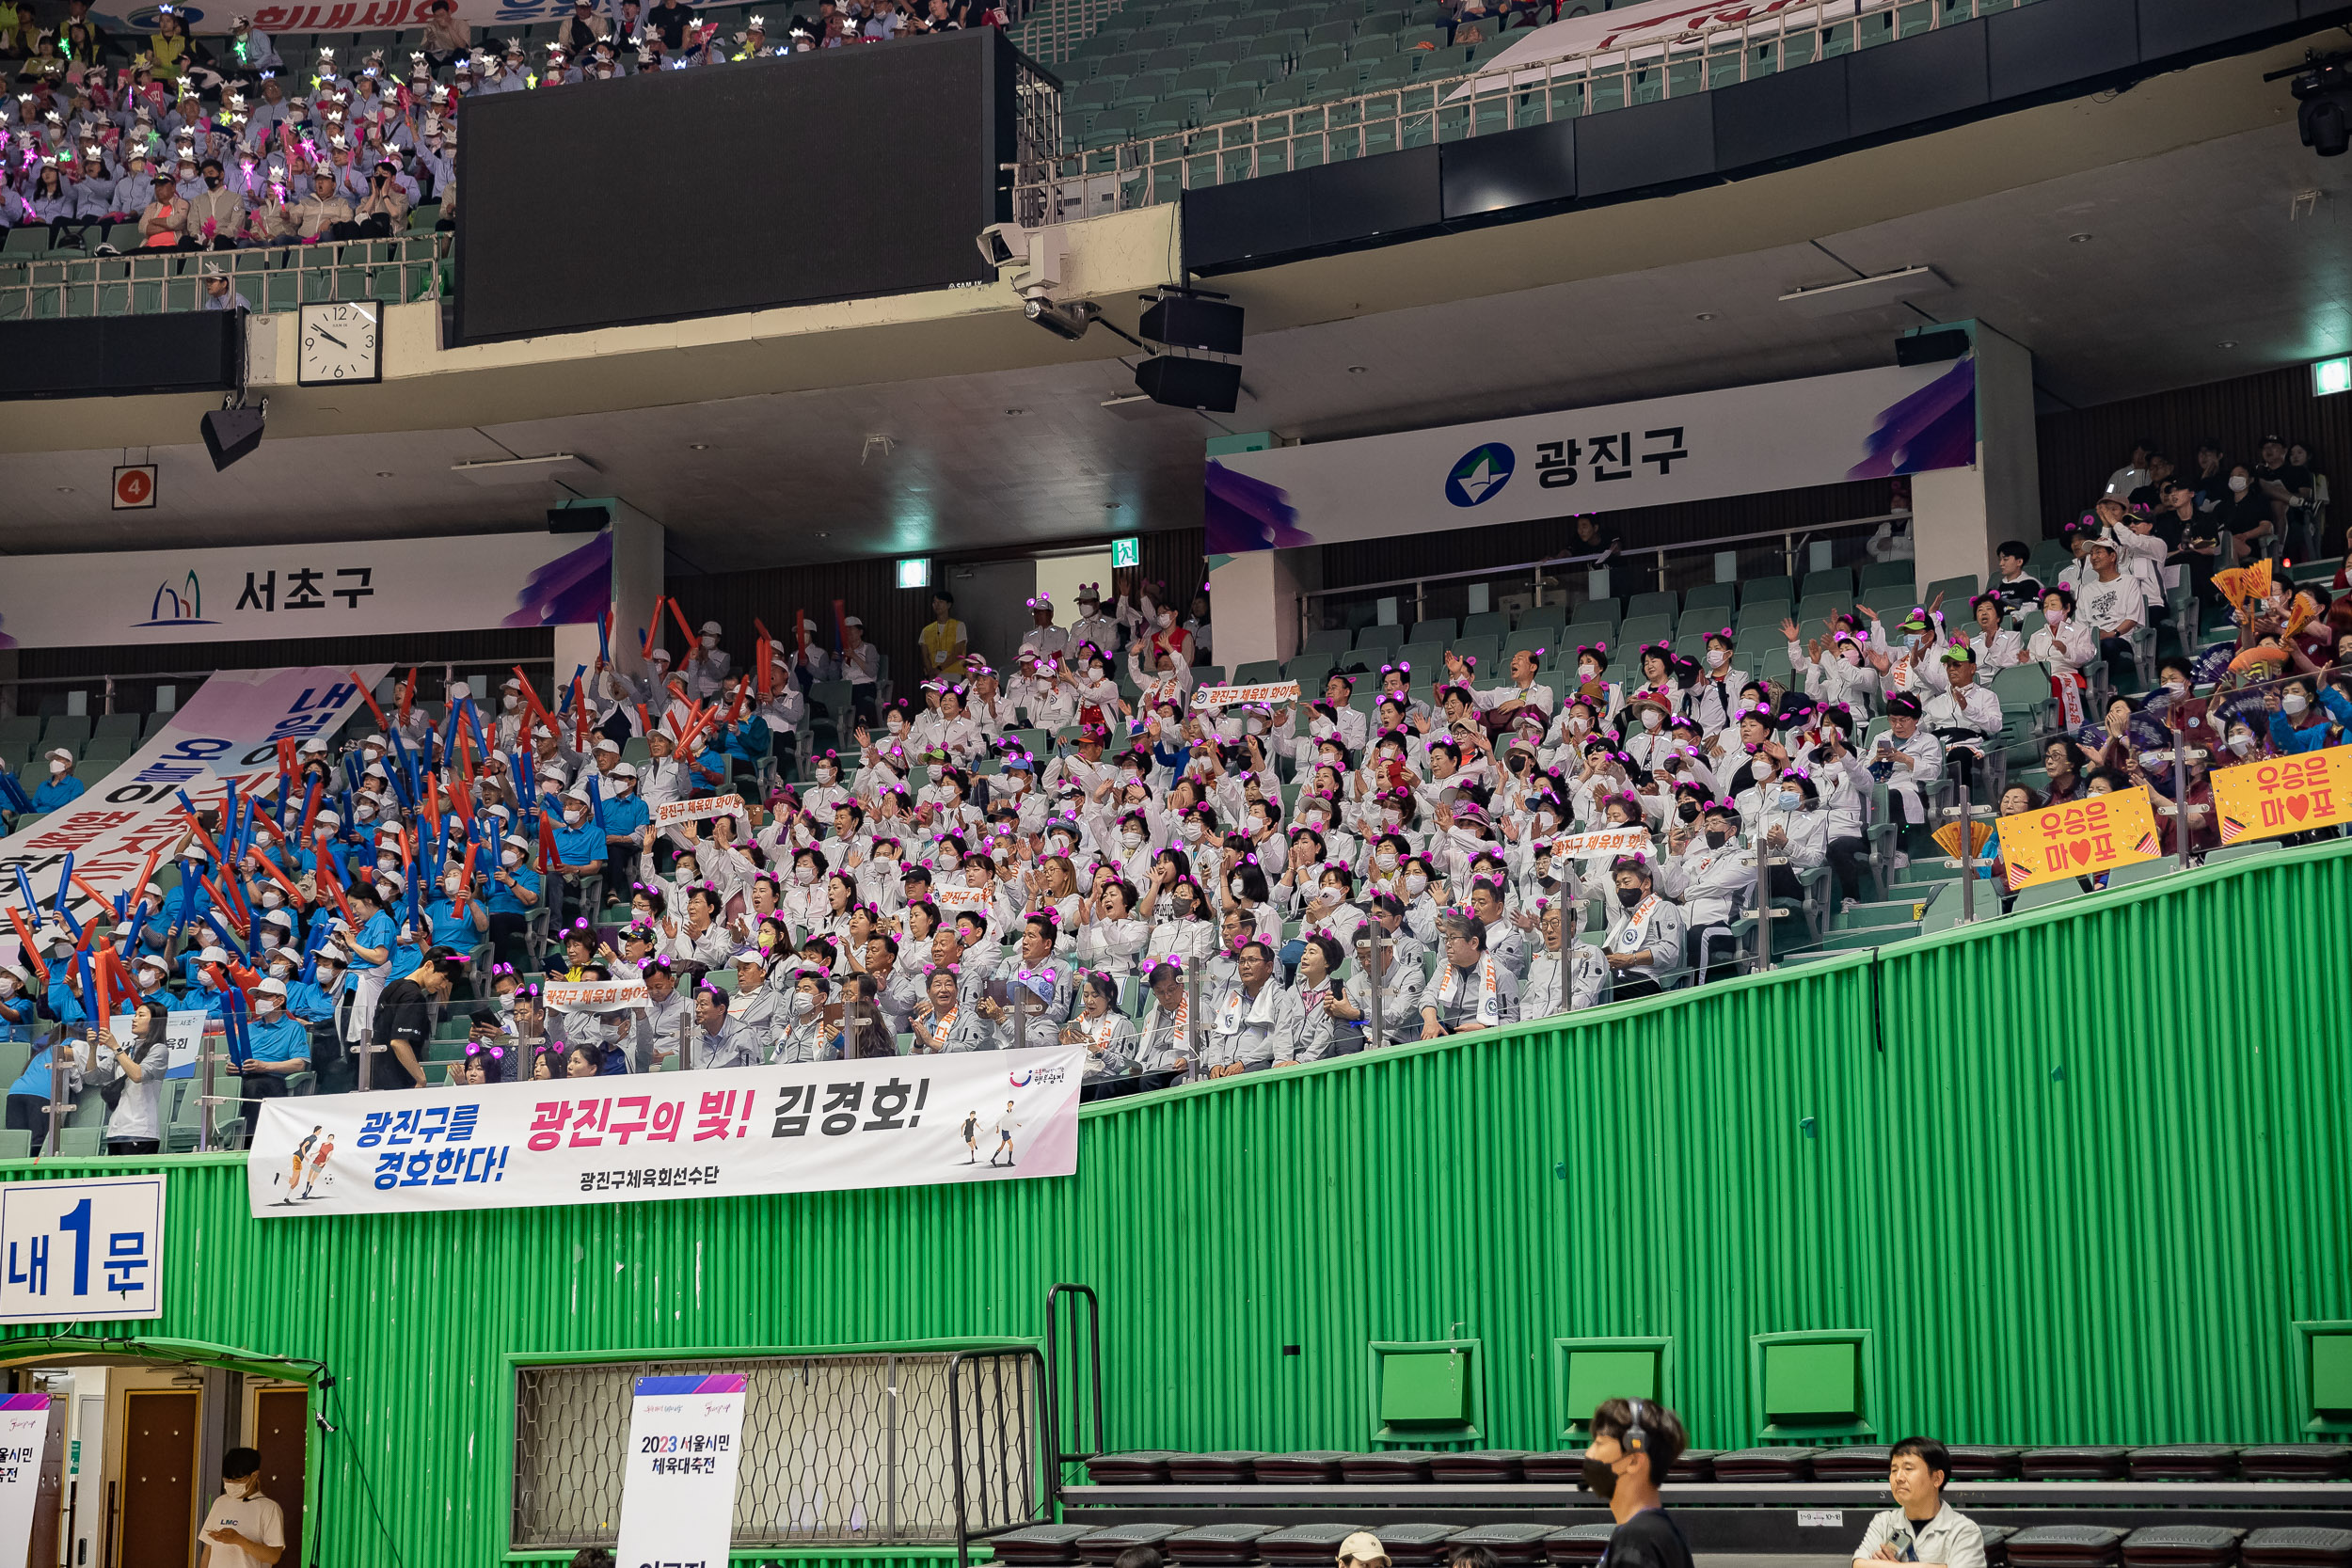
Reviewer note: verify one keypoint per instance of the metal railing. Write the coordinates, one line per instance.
(1159, 165)
(852, 1448)
(273, 278)
(1054, 30)
(108, 689)
(1566, 578)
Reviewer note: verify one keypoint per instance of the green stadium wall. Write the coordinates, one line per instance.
(2077, 1174)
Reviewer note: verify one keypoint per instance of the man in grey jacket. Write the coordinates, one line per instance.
(1922, 1529)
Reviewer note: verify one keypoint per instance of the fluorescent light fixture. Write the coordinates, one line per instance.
(1867, 293)
(914, 572)
(526, 470)
(2331, 376)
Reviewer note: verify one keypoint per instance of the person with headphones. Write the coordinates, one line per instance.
(1924, 1528)
(1634, 1445)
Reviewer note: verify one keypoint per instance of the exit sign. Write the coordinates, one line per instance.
(2331, 376)
(1126, 552)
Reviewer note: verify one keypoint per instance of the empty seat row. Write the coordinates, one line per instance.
(2175, 1462)
(1525, 1545)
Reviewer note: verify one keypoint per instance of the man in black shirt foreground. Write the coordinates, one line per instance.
(1635, 1445)
(403, 1019)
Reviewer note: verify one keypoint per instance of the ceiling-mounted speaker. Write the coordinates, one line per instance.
(1206, 384)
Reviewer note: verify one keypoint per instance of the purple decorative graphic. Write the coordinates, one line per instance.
(1239, 514)
(25, 1402)
(568, 591)
(5, 640)
(1933, 428)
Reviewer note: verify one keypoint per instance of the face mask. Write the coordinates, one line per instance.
(1652, 719)
(573, 818)
(366, 813)
(7, 985)
(1716, 658)
(510, 858)
(263, 1006)
(2237, 484)
(273, 901)
(2294, 701)
(804, 875)
(1789, 799)
(271, 939)
(1759, 770)
(1415, 883)
(388, 863)
(1717, 837)
(2241, 744)
(281, 971)
(1628, 896)
(510, 702)
(2178, 688)
(56, 768)
(1688, 811)
(330, 973)
(2053, 616)
(1192, 831)
(1578, 723)
(896, 723)
(1588, 671)
(825, 773)
(621, 788)
(1385, 859)
(1168, 619)
(1598, 1478)
(450, 884)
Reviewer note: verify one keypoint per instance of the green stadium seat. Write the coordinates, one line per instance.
(2242, 851)
(1439, 631)
(1880, 576)
(1379, 639)
(115, 726)
(1638, 629)
(1836, 580)
(2143, 871)
(16, 1144)
(1492, 623)
(1659, 603)
(1715, 597)
(1257, 671)
(2042, 895)
(67, 728)
(1335, 640)
(1776, 587)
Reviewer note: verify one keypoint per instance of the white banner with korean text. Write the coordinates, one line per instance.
(1276, 692)
(669, 813)
(227, 733)
(353, 588)
(896, 1121)
(1738, 441)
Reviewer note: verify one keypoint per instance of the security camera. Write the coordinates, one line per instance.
(1069, 321)
(1003, 242)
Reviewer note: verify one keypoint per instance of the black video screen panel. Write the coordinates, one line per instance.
(837, 174)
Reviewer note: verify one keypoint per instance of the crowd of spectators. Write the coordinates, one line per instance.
(1182, 884)
(219, 141)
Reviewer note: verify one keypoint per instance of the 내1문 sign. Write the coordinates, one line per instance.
(77, 1250)
(2284, 795)
(2080, 838)
(685, 1449)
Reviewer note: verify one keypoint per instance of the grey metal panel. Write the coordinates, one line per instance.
(1918, 80)
(2176, 26)
(1768, 119)
(2059, 43)
(1651, 144)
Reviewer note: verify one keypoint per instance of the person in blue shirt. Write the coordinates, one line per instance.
(447, 927)
(2290, 707)
(708, 772)
(65, 992)
(749, 741)
(28, 1096)
(280, 1046)
(511, 892)
(579, 851)
(626, 816)
(152, 976)
(19, 1011)
(62, 788)
(371, 948)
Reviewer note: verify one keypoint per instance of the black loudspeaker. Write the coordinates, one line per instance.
(577, 519)
(1207, 384)
(1181, 322)
(232, 433)
(1931, 348)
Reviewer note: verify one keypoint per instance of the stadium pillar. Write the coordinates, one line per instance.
(1960, 515)
(1254, 600)
(638, 544)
